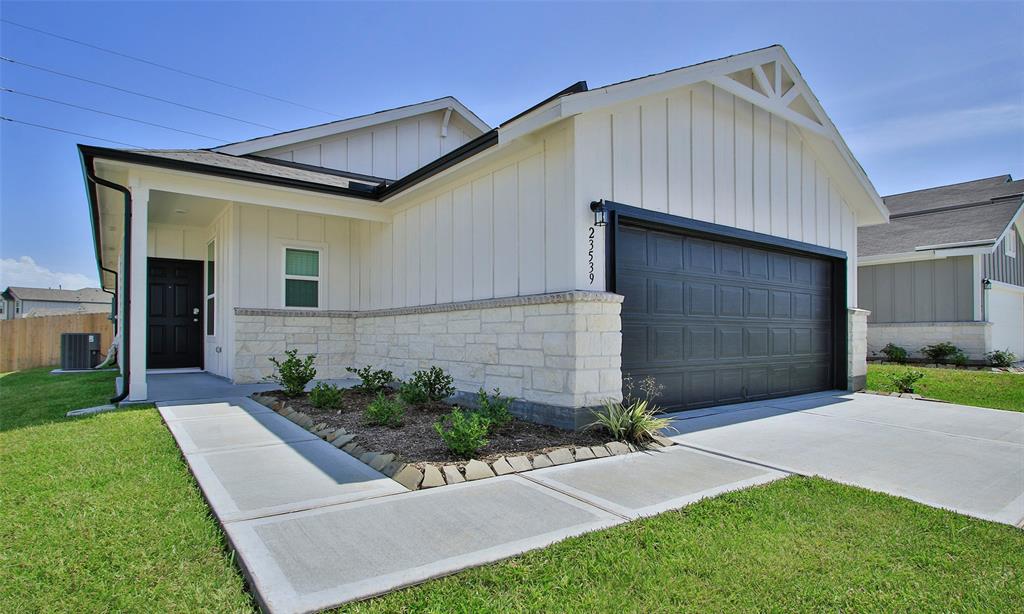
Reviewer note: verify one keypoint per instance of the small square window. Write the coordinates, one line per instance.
(301, 278)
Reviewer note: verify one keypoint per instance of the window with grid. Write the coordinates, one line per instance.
(301, 277)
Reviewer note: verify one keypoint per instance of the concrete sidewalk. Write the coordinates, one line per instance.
(314, 528)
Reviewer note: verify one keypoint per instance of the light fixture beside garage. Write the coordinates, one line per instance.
(597, 207)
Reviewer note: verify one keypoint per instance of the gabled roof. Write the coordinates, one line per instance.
(300, 135)
(765, 77)
(84, 295)
(970, 214)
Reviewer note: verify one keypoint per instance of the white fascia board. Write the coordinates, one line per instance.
(986, 243)
(183, 182)
(348, 125)
(1014, 221)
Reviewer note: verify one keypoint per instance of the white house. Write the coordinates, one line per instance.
(698, 225)
(948, 267)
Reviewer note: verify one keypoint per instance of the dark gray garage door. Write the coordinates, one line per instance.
(717, 322)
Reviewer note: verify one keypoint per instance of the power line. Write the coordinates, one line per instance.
(88, 136)
(121, 89)
(170, 68)
(131, 119)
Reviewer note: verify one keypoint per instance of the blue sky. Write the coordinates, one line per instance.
(924, 93)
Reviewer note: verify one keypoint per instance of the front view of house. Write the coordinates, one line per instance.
(698, 225)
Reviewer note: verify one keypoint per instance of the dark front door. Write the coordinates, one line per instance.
(174, 337)
(720, 322)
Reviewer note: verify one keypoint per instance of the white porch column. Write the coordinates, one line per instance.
(138, 290)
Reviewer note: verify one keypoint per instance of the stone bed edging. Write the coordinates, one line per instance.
(414, 478)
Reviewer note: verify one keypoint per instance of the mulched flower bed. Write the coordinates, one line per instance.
(417, 442)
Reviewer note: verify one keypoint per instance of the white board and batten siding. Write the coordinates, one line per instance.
(390, 150)
(502, 231)
(702, 153)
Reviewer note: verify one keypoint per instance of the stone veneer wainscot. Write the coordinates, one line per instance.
(558, 354)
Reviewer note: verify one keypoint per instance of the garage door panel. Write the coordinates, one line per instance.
(719, 322)
(631, 246)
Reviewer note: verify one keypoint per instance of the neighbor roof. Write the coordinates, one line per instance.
(973, 213)
(84, 295)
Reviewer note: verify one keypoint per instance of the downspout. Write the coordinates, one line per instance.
(125, 349)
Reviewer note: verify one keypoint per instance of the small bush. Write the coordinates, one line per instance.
(1001, 358)
(293, 374)
(894, 353)
(959, 358)
(463, 433)
(383, 411)
(412, 394)
(494, 407)
(635, 422)
(437, 384)
(325, 396)
(372, 380)
(903, 381)
(941, 353)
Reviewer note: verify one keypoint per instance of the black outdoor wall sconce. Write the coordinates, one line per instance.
(597, 207)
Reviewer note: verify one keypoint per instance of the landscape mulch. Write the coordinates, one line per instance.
(416, 441)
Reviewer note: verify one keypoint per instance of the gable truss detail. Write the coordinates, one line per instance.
(770, 85)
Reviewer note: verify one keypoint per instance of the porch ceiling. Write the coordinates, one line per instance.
(183, 210)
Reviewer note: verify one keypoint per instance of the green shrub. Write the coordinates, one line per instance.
(894, 353)
(494, 408)
(463, 433)
(903, 381)
(383, 411)
(959, 358)
(1001, 358)
(372, 380)
(293, 374)
(435, 383)
(412, 394)
(325, 396)
(635, 422)
(940, 352)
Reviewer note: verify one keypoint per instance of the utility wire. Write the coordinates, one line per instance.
(170, 68)
(131, 119)
(88, 136)
(121, 89)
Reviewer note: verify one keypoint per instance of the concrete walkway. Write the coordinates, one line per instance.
(314, 528)
(966, 459)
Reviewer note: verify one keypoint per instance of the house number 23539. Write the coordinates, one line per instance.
(590, 255)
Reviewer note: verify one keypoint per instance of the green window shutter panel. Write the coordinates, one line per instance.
(302, 262)
(300, 293)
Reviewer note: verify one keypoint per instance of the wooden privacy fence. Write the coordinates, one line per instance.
(35, 342)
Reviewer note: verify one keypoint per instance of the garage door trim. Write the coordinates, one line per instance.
(617, 212)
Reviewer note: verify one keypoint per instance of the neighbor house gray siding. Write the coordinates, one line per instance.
(1000, 267)
(925, 291)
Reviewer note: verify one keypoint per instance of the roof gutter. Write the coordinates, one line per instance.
(126, 329)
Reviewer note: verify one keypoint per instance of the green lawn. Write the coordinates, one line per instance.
(100, 514)
(979, 388)
(796, 545)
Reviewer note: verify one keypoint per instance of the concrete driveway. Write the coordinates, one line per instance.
(966, 459)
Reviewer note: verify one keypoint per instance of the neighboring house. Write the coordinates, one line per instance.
(418, 236)
(948, 267)
(21, 302)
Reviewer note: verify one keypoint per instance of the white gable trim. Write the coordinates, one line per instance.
(292, 137)
(766, 91)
